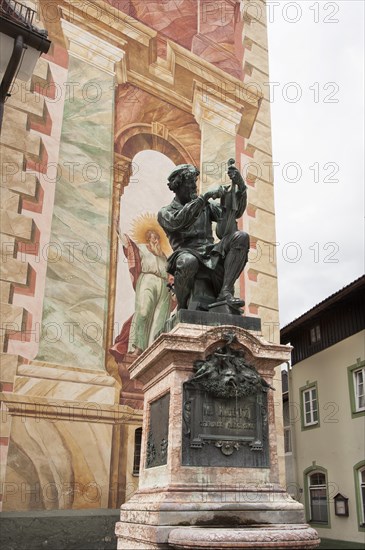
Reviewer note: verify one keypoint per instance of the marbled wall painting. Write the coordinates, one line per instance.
(143, 301)
(67, 478)
(75, 303)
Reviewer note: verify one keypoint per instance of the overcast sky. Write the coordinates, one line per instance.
(317, 130)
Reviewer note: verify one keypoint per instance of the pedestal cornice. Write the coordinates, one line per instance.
(186, 341)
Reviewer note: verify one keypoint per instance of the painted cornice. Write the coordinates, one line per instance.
(174, 79)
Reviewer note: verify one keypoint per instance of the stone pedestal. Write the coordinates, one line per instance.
(209, 468)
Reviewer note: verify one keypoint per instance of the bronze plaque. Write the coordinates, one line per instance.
(221, 431)
(158, 433)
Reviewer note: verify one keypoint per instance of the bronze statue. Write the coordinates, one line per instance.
(205, 272)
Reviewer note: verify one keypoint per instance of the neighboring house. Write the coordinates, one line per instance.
(324, 438)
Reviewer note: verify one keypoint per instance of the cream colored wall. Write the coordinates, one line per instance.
(338, 443)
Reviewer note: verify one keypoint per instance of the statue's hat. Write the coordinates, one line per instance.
(181, 167)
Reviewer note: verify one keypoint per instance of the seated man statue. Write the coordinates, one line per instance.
(187, 222)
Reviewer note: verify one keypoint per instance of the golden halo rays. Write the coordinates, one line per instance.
(148, 222)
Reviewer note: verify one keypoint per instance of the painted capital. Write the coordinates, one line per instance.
(91, 49)
(217, 111)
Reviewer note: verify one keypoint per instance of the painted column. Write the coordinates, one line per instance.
(76, 294)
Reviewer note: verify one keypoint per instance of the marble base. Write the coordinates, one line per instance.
(195, 506)
(192, 517)
(278, 536)
(255, 536)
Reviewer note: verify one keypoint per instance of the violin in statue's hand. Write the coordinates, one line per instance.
(235, 176)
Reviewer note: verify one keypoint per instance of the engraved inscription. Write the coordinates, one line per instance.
(220, 431)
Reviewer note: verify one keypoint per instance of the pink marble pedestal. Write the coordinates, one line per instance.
(179, 506)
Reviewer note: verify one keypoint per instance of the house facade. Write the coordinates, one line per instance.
(325, 412)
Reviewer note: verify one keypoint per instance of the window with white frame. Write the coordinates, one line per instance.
(359, 387)
(318, 501)
(356, 379)
(310, 406)
(362, 496)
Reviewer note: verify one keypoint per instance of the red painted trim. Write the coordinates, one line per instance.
(40, 165)
(26, 333)
(34, 205)
(251, 182)
(32, 247)
(251, 211)
(249, 151)
(29, 288)
(57, 54)
(252, 275)
(6, 386)
(43, 126)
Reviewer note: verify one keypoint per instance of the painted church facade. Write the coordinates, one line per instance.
(129, 90)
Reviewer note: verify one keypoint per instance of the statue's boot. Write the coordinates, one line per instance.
(182, 288)
(186, 268)
(234, 263)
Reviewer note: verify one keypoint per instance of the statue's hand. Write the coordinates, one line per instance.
(215, 193)
(235, 176)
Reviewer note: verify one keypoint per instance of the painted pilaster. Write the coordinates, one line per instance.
(76, 294)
